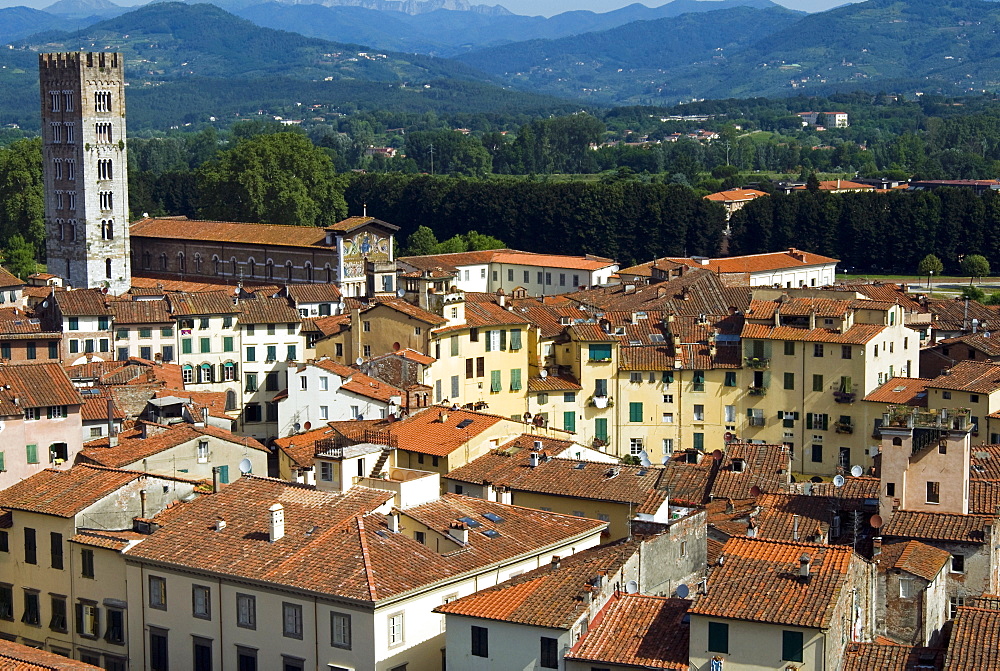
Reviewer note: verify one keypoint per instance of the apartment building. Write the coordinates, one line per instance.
(807, 361)
(207, 338)
(144, 328)
(85, 320)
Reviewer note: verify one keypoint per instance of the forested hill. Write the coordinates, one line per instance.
(908, 45)
(186, 63)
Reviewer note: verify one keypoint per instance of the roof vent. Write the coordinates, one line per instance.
(220, 524)
(276, 526)
(805, 564)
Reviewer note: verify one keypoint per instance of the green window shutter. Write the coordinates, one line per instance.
(809, 420)
(601, 428)
(224, 474)
(454, 345)
(227, 344)
(3, 463)
(503, 340)
(291, 354)
(206, 345)
(489, 342)
(515, 339)
(251, 354)
(569, 420)
(668, 377)
(730, 378)
(32, 455)
(272, 353)
(718, 637)
(749, 412)
(186, 346)
(515, 379)
(791, 646)
(635, 412)
(826, 422)
(817, 383)
(698, 441)
(495, 381)
(789, 380)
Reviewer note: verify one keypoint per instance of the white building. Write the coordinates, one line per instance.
(789, 269)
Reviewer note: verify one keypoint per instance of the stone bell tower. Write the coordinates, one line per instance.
(85, 169)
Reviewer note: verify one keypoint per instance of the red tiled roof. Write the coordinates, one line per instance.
(985, 462)
(424, 432)
(757, 263)
(313, 293)
(140, 312)
(507, 256)
(353, 223)
(764, 466)
(639, 631)
(231, 232)
(595, 481)
(990, 346)
(14, 656)
(35, 386)
(890, 657)
(857, 334)
(973, 643)
(110, 540)
(357, 382)
(919, 559)
(133, 447)
(973, 376)
(65, 493)
(301, 448)
(901, 391)
(483, 314)
(547, 596)
(938, 526)
(81, 302)
(263, 310)
(758, 581)
(408, 309)
(564, 382)
(333, 545)
(333, 324)
(95, 408)
(206, 303)
(735, 195)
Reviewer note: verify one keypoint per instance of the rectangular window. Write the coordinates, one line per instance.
(635, 412)
(271, 382)
(115, 632)
(202, 654)
(291, 616)
(158, 659)
(817, 383)
(699, 413)
(569, 420)
(340, 630)
(495, 382)
(791, 646)
(30, 548)
(789, 348)
(58, 620)
(933, 492)
(32, 609)
(291, 354)
(549, 655)
(6, 602)
(729, 414)
(569, 397)
(251, 385)
(187, 346)
(958, 563)
(845, 351)
(88, 619)
(201, 602)
(480, 641)
(246, 611)
(32, 350)
(818, 349)
(480, 366)
(601, 428)
(515, 340)
(87, 563)
(31, 449)
(251, 353)
(56, 550)
(272, 353)
(227, 344)
(515, 379)
(167, 331)
(730, 378)
(600, 352)
(718, 637)
(74, 323)
(789, 379)
(157, 592)
(396, 629)
(698, 441)
(699, 381)
(817, 453)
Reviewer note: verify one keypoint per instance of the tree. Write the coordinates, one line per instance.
(280, 178)
(930, 265)
(20, 257)
(421, 242)
(975, 265)
(974, 294)
(812, 184)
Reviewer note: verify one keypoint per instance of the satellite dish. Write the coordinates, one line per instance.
(395, 347)
(644, 459)
(245, 466)
(838, 481)
(666, 459)
(755, 491)
(875, 521)
(682, 591)
(359, 360)
(45, 304)
(543, 373)
(717, 455)
(307, 426)
(296, 426)
(729, 437)
(631, 587)
(856, 471)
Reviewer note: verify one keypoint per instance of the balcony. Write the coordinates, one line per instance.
(757, 421)
(756, 362)
(843, 428)
(843, 396)
(602, 402)
(755, 390)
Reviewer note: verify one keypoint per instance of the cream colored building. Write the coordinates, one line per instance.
(808, 362)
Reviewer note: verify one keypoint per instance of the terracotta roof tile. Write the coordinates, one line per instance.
(425, 433)
(735, 195)
(133, 448)
(640, 631)
(890, 657)
(858, 334)
(352, 223)
(595, 481)
(35, 386)
(357, 382)
(508, 256)
(989, 346)
(301, 448)
(95, 408)
(984, 496)
(901, 391)
(148, 283)
(17, 657)
(785, 516)
(334, 545)
(110, 540)
(973, 643)
(697, 291)
(206, 303)
(919, 559)
(562, 382)
(140, 312)
(758, 581)
(956, 314)
(763, 466)
(313, 293)
(231, 232)
(972, 376)
(65, 493)
(755, 263)
(263, 310)
(938, 526)
(408, 309)
(985, 462)
(333, 324)
(991, 601)
(547, 596)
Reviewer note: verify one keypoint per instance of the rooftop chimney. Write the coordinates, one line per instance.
(533, 462)
(795, 527)
(394, 521)
(555, 562)
(460, 532)
(443, 417)
(276, 528)
(876, 546)
(220, 524)
(805, 563)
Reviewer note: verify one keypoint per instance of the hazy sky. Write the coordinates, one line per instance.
(529, 7)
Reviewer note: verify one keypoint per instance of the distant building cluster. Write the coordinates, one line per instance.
(245, 446)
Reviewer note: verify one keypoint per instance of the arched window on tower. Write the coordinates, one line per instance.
(107, 268)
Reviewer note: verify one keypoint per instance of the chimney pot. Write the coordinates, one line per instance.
(276, 528)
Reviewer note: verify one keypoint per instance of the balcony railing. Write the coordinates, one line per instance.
(757, 421)
(757, 391)
(844, 396)
(756, 362)
(843, 428)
